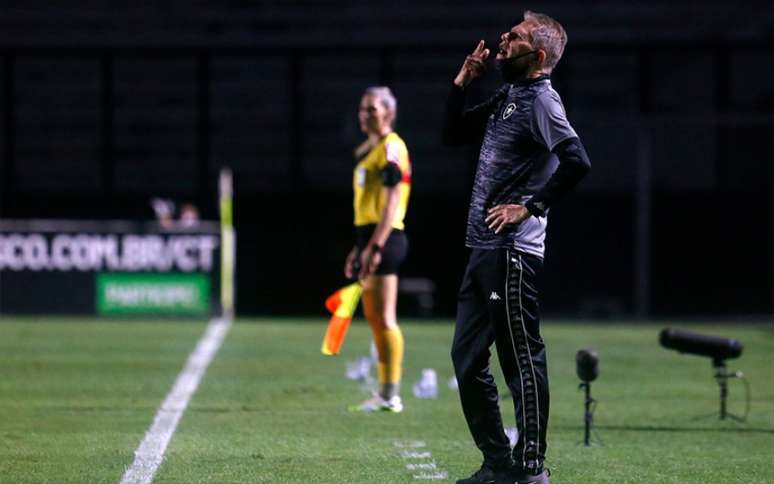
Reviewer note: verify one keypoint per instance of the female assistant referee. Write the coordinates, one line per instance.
(382, 184)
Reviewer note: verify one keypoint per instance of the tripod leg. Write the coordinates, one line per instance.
(587, 415)
(723, 395)
(722, 378)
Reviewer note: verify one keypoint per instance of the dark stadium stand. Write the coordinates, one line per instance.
(104, 107)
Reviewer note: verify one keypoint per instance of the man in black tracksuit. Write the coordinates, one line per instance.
(530, 156)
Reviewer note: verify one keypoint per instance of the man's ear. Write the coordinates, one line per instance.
(541, 56)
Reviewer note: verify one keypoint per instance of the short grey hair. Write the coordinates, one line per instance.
(548, 35)
(386, 97)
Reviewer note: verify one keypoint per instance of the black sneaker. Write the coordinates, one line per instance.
(490, 475)
(541, 478)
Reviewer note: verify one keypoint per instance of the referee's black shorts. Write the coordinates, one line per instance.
(394, 250)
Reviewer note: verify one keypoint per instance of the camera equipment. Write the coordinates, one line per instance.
(715, 347)
(587, 365)
(587, 368)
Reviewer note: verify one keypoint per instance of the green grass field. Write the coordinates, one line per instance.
(77, 396)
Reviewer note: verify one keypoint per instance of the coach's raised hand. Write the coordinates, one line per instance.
(474, 65)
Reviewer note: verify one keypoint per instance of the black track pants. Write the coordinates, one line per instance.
(498, 302)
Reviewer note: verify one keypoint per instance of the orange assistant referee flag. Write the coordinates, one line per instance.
(342, 305)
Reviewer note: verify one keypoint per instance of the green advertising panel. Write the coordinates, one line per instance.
(152, 293)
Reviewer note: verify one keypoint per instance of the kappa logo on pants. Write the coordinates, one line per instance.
(494, 296)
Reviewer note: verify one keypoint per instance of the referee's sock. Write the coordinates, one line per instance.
(390, 361)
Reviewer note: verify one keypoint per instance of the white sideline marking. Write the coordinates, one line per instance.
(149, 454)
(429, 469)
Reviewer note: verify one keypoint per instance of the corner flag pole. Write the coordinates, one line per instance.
(228, 243)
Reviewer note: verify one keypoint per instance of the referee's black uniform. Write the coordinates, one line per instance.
(530, 155)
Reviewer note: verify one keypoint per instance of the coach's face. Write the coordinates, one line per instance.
(516, 43)
(517, 59)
